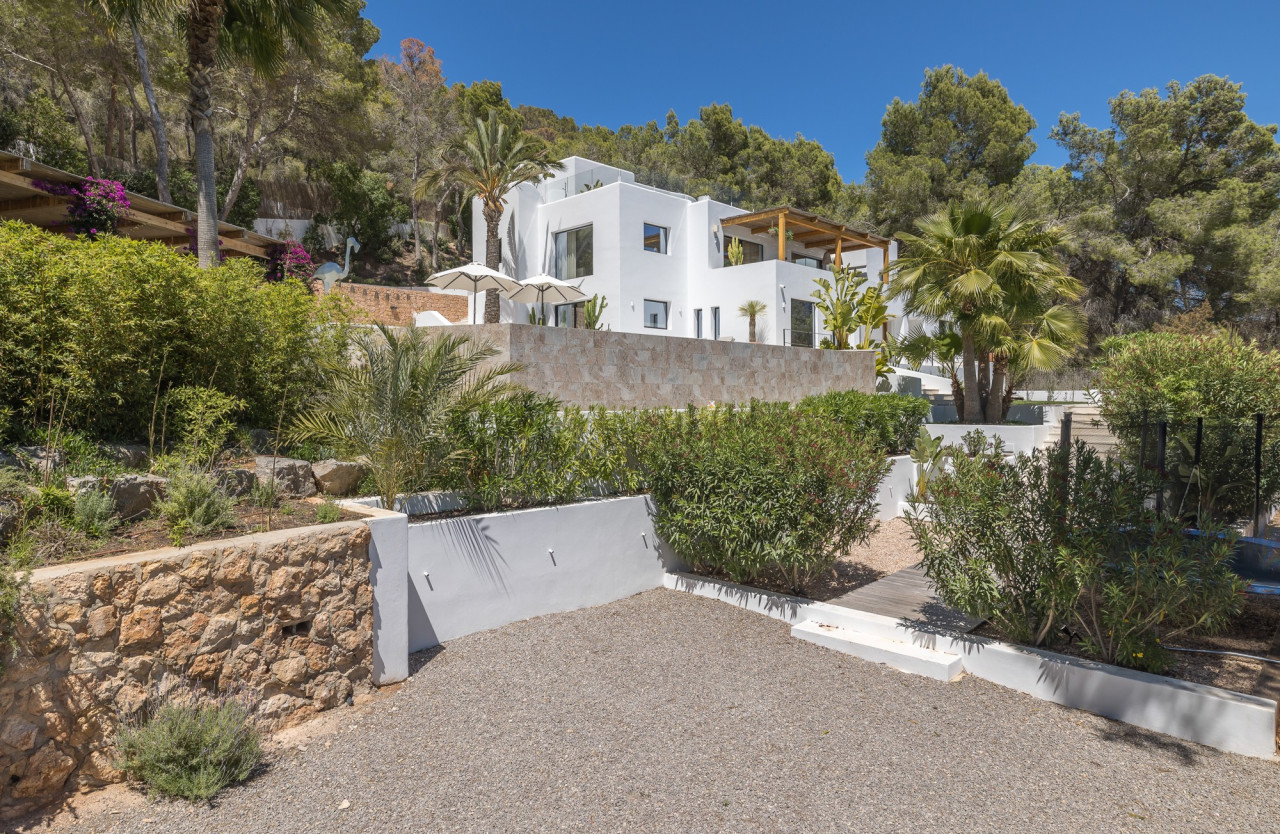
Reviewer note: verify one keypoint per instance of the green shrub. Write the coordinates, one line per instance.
(112, 324)
(892, 420)
(195, 504)
(1150, 377)
(760, 490)
(1033, 548)
(265, 493)
(328, 512)
(191, 745)
(199, 419)
(94, 512)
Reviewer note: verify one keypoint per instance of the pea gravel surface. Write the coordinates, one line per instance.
(668, 712)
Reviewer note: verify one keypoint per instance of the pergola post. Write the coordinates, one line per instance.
(782, 236)
(884, 282)
(839, 250)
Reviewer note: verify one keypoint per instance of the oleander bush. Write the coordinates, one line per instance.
(190, 744)
(892, 420)
(96, 331)
(760, 491)
(1060, 546)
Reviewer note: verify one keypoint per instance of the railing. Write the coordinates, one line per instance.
(559, 188)
(804, 338)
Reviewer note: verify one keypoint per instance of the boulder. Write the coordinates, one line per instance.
(41, 459)
(85, 484)
(259, 441)
(134, 495)
(9, 460)
(338, 477)
(293, 477)
(237, 482)
(129, 455)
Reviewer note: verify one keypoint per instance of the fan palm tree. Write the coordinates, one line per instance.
(749, 311)
(392, 403)
(488, 162)
(991, 270)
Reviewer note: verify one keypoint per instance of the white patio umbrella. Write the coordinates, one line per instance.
(541, 288)
(476, 278)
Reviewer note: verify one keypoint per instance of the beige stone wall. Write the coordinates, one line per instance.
(285, 615)
(626, 370)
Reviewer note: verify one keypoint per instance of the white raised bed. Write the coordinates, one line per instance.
(896, 488)
(1208, 715)
(1017, 439)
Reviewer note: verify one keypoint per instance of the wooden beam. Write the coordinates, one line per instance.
(838, 248)
(24, 203)
(9, 178)
(19, 164)
(782, 237)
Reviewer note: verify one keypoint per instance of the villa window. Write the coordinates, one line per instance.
(655, 314)
(575, 253)
(655, 238)
(569, 315)
(715, 322)
(805, 260)
(697, 323)
(752, 252)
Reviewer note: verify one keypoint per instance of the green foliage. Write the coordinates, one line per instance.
(94, 513)
(328, 512)
(761, 490)
(265, 493)
(891, 420)
(200, 420)
(43, 123)
(734, 252)
(366, 208)
(961, 140)
(190, 744)
(1149, 377)
(195, 504)
(592, 311)
(752, 310)
(1064, 539)
(109, 325)
(393, 404)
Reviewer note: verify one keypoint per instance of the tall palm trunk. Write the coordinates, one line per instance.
(157, 120)
(751, 329)
(203, 25)
(492, 258)
(972, 400)
(996, 397)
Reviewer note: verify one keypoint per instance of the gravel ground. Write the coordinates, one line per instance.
(668, 712)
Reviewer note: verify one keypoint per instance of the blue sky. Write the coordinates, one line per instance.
(829, 69)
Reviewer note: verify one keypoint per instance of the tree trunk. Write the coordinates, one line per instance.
(95, 169)
(157, 119)
(414, 204)
(751, 327)
(984, 381)
(203, 25)
(492, 259)
(250, 148)
(435, 237)
(972, 399)
(999, 382)
(957, 394)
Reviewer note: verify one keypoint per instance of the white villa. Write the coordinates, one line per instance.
(660, 258)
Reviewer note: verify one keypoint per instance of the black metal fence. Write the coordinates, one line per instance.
(1206, 470)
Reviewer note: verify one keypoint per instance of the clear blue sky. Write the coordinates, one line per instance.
(828, 69)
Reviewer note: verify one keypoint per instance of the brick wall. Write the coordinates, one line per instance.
(396, 305)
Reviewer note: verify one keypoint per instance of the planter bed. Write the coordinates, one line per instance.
(1209, 715)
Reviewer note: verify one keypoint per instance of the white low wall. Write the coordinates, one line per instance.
(473, 573)
(896, 488)
(1017, 439)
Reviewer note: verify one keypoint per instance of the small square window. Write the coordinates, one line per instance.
(655, 238)
(655, 314)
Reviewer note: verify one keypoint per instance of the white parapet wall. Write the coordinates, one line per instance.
(472, 573)
(1017, 439)
(896, 488)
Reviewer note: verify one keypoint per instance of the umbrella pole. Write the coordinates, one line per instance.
(475, 300)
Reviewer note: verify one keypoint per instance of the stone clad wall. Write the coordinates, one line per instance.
(286, 615)
(638, 370)
(396, 305)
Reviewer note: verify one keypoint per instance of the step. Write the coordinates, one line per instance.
(904, 657)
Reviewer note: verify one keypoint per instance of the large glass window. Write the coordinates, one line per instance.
(567, 315)
(802, 323)
(655, 314)
(697, 323)
(805, 260)
(574, 253)
(752, 252)
(655, 238)
(715, 322)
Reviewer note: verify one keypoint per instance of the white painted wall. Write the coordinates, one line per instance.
(474, 573)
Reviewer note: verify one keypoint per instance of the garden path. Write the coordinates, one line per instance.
(907, 594)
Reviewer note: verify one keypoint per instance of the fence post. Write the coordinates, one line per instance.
(1162, 434)
(1065, 440)
(1257, 476)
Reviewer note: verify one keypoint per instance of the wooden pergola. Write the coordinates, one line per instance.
(809, 231)
(148, 219)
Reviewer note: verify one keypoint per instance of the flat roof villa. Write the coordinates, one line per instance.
(661, 260)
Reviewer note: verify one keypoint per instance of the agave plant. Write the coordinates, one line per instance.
(392, 404)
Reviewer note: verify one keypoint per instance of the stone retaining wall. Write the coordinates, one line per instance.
(396, 305)
(638, 370)
(286, 615)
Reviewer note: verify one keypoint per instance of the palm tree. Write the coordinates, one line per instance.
(257, 31)
(749, 310)
(391, 405)
(991, 270)
(489, 162)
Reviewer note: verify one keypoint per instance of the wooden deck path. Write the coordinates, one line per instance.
(909, 595)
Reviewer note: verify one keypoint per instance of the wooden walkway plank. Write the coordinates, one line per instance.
(907, 595)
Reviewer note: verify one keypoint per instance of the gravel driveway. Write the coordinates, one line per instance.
(668, 712)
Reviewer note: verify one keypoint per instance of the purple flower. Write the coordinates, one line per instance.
(289, 260)
(94, 206)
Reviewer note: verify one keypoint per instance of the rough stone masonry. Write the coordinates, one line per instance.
(284, 616)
